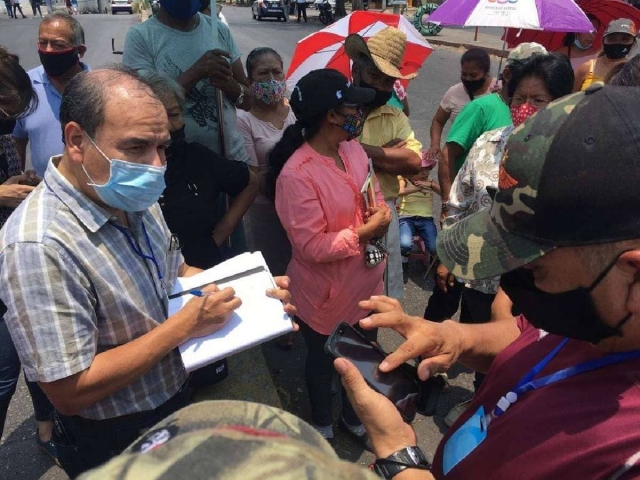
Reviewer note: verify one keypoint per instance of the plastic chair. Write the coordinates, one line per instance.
(423, 255)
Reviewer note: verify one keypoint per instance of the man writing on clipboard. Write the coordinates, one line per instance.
(87, 287)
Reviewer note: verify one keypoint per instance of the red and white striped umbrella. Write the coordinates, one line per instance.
(325, 49)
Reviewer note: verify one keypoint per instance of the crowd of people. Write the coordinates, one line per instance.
(183, 157)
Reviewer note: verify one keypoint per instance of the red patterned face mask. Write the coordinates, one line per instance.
(520, 113)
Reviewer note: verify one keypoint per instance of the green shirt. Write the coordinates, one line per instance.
(394, 101)
(477, 117)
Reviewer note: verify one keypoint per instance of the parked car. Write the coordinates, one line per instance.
(317, 4)
(121, 6)
(269, 8)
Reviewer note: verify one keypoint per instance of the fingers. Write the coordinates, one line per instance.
(354, 383)
(431, 366)
(380, 303)
(279, 294)
(291, 310)
(399, 321)
(296, 327)
(405, 352)
(282, 282)
(219, 52)
(211, 288)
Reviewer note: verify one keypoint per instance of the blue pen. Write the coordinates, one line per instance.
(200, 293)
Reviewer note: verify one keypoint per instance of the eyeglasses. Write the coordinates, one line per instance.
(538, 101)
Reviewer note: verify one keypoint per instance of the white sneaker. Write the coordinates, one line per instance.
(358, 430)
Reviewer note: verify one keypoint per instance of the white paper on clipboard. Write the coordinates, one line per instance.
(368, 189)
(258, 319)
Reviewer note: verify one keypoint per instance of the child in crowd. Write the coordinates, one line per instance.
(415, 209)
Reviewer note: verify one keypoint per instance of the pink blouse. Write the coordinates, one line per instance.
(320, 207)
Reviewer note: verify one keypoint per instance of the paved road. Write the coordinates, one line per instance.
(18, 457)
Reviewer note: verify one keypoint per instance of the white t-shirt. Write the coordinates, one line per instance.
(259, 138)
(456, 98)
(152, 45)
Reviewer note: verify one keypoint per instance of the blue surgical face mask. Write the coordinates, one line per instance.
(132, 187)
(181, 9)
(579, 46)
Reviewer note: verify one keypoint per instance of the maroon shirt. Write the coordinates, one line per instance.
(584, 427)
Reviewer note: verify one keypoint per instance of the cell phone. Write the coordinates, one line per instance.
(400, 386)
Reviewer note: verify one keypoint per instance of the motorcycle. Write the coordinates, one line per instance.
(326, 13)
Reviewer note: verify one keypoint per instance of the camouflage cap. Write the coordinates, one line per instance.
(229, 439)
(526, 50)
(569, 176)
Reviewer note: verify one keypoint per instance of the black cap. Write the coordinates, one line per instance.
(322, 90)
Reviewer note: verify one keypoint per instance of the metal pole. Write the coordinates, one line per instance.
(504, 48)
(220, 102)
(475, 37)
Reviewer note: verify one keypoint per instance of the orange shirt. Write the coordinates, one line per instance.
(320, 207)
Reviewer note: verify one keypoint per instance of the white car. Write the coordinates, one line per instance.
(121, 6)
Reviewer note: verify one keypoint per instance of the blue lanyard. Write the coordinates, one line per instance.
(528, 383)
(138, 251)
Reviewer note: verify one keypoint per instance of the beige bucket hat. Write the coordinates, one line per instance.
(386, 49)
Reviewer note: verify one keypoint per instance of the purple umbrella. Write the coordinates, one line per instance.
(549, 15)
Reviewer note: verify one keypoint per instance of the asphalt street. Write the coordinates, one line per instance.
(19, 458)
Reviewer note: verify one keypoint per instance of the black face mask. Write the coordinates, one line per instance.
(616, 51)
(569, 314)
(179, 135)
(56, 64)
(178, 140)
(7, 126)
(472, 86)
(381, 97)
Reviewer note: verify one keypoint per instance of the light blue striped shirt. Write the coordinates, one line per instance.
(74, 287)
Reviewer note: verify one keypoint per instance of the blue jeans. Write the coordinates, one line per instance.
(9, 374)
(421, 226)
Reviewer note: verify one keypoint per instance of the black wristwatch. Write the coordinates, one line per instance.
(409, 457)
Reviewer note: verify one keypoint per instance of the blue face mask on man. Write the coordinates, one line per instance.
(132, 187)
(181, 9)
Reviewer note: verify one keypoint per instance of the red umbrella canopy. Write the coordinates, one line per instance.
(325, 49)
(604, 10)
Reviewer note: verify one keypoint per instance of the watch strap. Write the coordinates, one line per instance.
(409, 457)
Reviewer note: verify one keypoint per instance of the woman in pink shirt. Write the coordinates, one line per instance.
(316, 172)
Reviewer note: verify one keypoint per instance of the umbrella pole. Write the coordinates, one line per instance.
(504, 48)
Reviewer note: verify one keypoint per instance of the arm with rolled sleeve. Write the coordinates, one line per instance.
(303, 218)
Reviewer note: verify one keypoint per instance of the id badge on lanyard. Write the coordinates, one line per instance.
(464, 441)
(474, 431)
